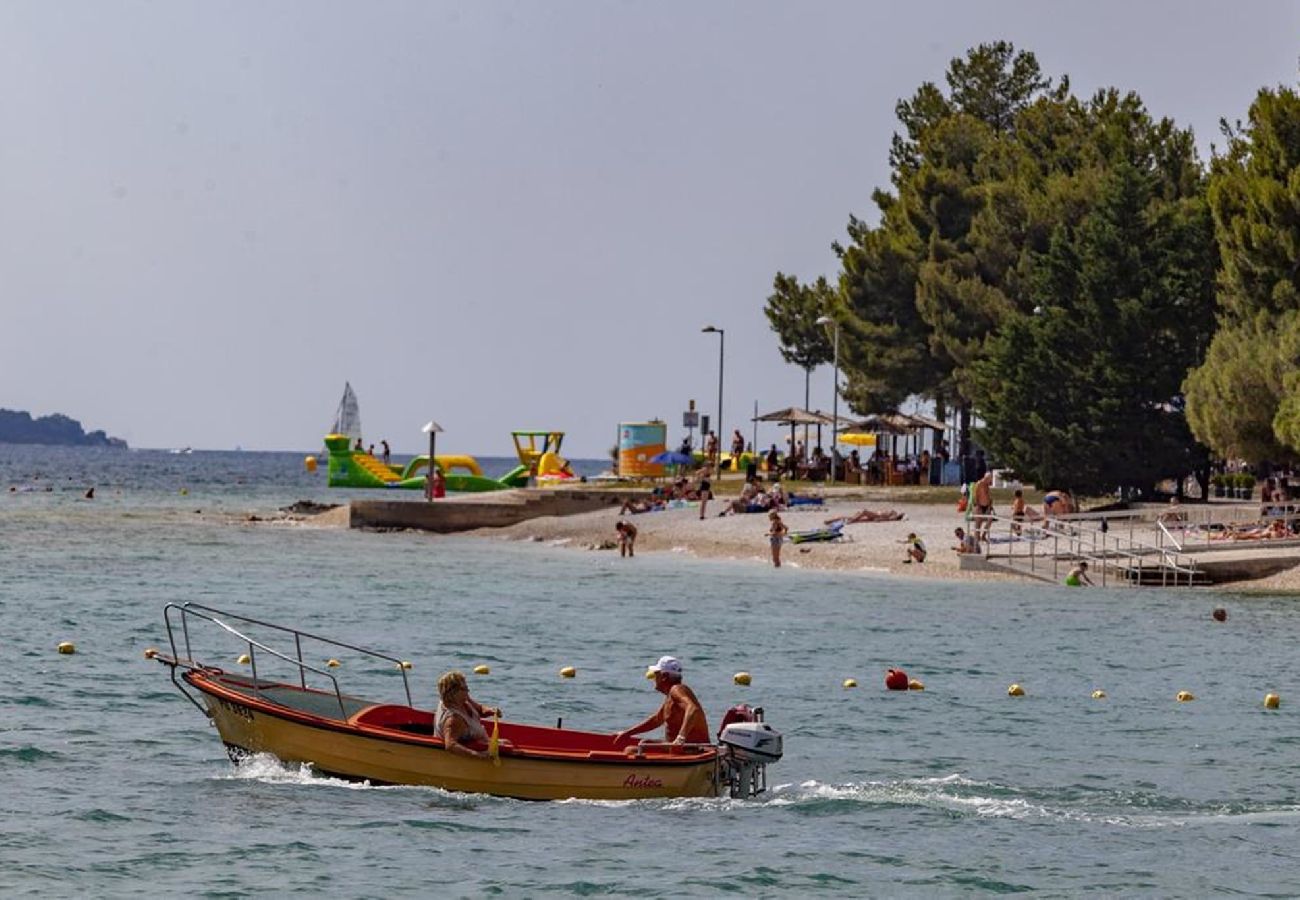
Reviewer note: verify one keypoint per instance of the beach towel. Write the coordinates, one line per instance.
(804, 501)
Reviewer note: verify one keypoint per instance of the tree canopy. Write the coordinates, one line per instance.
(1241, 402)
(1010, 195)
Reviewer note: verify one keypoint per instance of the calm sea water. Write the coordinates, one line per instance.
(114, 785)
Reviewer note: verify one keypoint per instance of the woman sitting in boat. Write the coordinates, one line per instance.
(459, 718)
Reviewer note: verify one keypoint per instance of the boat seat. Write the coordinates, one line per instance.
(396, 717)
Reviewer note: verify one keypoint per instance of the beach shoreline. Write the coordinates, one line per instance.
(873, 548)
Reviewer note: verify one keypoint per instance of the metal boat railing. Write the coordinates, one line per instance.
(210, 614)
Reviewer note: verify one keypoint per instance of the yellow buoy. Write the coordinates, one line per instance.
(741, 678)
(332, 663)
(67, 647)
(1099, 694)
(915, 685)
(568, 672)
(850, 683)
(1185, 696)
(1272, 701)
(185, 492)
(243, 659)
(150, 652)
(649, 674)
(404, 664)
(482, 670)
(1015, 691)
(310, 463)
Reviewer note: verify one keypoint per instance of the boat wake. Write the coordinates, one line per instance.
(956, 794)
(267, 769)
(952, 794)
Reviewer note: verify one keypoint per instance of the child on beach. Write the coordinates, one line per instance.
(915, 548)
(626, 538)
(967, 542)
(776, 532)
(1078, 576)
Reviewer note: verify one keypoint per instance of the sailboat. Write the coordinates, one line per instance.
(347, 420)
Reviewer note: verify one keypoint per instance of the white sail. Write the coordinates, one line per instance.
(348, 418)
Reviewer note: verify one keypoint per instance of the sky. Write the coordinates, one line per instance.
(495, 215)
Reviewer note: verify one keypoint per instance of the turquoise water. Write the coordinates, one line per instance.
(115, 785)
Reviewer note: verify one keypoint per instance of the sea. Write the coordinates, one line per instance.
(114, 785)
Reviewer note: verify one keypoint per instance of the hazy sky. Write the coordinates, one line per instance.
(497, 215)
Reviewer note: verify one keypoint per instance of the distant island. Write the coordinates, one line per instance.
(20, 428)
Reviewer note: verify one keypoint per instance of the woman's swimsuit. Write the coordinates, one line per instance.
(475, 733)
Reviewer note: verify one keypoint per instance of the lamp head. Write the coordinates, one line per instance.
(709, 329)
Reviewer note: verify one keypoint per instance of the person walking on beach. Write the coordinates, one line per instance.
(681, 713)
(626, 538)
(711, 448)
(737, 445)
(983, 498)
(776, 532)
(705, 493)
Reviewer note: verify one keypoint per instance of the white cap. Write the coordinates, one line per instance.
(669, 665)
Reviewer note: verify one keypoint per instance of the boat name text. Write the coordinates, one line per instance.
(237, 709)
(642, 781)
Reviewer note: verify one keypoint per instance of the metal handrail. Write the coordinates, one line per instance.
(1083, 544)
(210, 614)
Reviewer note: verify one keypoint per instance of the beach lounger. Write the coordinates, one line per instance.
(828, 533)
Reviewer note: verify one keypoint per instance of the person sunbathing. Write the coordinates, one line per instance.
(869, 515)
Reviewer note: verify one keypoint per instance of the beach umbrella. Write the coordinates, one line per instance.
(858, 439)
(672, 458)
(792, 416)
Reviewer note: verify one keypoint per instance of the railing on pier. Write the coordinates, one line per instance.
(1068, 540)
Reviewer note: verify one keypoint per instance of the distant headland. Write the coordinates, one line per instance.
(20, 428)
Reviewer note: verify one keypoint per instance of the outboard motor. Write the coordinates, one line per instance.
(748, 745)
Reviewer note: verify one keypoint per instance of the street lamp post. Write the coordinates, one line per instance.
(722, 344)
(835, 398)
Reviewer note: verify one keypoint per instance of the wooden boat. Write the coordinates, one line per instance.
(384, 743)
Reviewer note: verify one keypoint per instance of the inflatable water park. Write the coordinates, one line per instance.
(350, 466)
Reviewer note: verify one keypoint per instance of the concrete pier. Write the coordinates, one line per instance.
(489, 510)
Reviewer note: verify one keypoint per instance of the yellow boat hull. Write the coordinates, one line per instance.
(339, 747)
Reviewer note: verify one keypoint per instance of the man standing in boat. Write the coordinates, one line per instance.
(681, 711)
